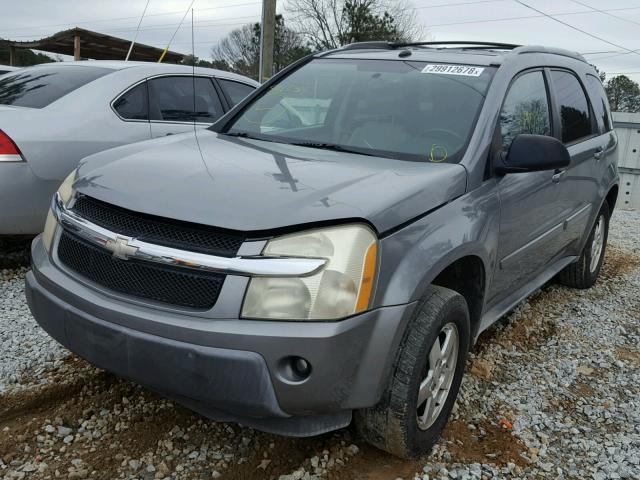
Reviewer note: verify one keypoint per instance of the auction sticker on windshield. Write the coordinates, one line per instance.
(466, 70)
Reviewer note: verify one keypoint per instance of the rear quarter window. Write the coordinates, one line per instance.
(40, 86)
(600, 103)
(573, 106)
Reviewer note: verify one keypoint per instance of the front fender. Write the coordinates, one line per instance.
(412, 257)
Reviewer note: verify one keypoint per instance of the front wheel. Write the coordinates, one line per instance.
(426, 378)
(584, 272)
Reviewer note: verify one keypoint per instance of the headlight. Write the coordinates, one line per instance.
(342, 288)
(66, 192)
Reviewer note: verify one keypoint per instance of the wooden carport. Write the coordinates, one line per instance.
(83, 43)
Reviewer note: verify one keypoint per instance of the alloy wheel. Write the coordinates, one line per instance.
(597, 243)
(434, 388)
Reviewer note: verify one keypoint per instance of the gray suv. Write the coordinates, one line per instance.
(333, 245)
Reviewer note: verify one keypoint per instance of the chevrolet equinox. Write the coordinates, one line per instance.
(331, 247)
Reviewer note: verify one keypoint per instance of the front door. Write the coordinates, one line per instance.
(531, 221)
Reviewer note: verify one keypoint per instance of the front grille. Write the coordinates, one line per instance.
(167, 284)
(158, 230)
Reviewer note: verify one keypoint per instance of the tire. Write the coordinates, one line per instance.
(393, 424)
(584, 272)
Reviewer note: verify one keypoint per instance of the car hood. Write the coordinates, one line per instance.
(253, 185)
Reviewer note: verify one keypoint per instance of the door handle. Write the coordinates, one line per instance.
(167, 134)
(597, 154)
(557, 176)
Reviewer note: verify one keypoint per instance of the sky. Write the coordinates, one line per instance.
(617, 24)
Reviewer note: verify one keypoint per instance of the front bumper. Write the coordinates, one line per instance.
(227, 369)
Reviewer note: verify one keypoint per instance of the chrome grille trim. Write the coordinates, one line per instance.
(124, 247)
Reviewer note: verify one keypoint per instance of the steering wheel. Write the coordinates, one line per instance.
(451, 133)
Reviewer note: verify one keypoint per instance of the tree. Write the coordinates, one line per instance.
(328, 24)
(198, 62)
(240, 50)
(23, 56)
(601, 73)
(623, 93)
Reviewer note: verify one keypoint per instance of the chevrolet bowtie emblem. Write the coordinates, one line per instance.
(120, 248)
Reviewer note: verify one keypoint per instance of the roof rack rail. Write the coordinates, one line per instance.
(369, 45)
(394, 45)
(552, 51)
(479, 44)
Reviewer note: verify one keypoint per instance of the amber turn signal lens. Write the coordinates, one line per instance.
(368, 277)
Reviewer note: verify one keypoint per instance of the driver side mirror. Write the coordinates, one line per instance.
(533, 153)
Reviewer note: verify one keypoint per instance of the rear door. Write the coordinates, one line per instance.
(577, 184)
(173, 107)
(531, 212)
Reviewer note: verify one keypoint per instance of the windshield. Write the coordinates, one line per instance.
(398, 109)
(37, 87)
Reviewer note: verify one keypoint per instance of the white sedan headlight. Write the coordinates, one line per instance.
(66, 192)
(342, 288)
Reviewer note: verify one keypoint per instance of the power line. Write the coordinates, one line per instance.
(137, 31)
(107, 20)
(573, 27)
(174, 33)
(605, 12)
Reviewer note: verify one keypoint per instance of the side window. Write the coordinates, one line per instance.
(133, 105)
(573, 106)
(235, 91)
(525, 109)
(600, 103)
(172, 99)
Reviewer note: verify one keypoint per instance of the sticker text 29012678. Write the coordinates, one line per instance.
(466, 70)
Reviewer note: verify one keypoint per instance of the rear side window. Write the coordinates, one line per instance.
(600, 103)
(172, 99)
(133, 105)
(573, 106)
(236, 91)
(525, 109)
(37, 87)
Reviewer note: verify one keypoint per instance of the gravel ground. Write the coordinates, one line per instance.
(552, 391)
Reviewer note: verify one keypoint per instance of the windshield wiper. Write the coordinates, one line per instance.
(331, 146)
(238, 134)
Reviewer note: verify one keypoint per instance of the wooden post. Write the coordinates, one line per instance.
(12, 56)
(76, 47)
(267, 39)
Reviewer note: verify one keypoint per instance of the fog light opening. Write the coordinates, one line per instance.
(294, 369)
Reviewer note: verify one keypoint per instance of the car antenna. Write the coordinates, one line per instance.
(193, 79)
(193, 73)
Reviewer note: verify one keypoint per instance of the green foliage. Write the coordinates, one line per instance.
(23, 57)
(624, 94)
(363, 24)
(239, 52)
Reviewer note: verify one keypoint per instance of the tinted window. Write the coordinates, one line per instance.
(525, 109)
(234, 90)
(133, 104)
(599, 102)
(573, 106)
(381, 107)
(37, 87)
(172, 99)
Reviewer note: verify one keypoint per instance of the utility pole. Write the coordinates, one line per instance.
(267, 39)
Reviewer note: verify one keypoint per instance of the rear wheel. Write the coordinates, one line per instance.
(425, 380)
(584, 272)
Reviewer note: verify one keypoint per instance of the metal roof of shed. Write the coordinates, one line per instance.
(98, 46)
